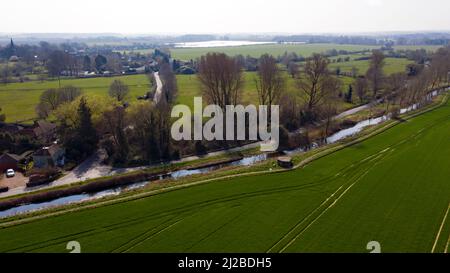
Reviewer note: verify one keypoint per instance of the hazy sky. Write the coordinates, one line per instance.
(223, 16)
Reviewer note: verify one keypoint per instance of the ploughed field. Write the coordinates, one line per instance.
(393, 188)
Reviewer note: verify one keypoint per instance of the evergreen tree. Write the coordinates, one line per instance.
(85, 133)
(349, 95)
(2, 116)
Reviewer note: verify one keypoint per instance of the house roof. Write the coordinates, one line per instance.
(42, 127)
(11, 157)
(11, 128)
(48, 151)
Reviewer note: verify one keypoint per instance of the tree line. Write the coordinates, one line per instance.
(139, 133)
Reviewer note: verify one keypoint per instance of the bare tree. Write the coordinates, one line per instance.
(58, 61)
(69, 93)
(395, 84)
(375, 73)
(316, 76)
(328, 108)
(361, 88)
(270, 82)
(118, 90)
(221, 79)
(439, 68)
(169, 81)
(417, 88)
(52, 98)
(5, 74)
(290, 111)
(293, 69)
(114, 122)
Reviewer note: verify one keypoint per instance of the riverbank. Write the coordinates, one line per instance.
(265, 167)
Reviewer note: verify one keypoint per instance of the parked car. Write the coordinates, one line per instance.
(10, 173)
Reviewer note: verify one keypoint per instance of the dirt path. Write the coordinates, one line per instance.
(158, 92)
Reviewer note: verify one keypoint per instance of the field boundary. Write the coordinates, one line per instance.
(438, 235)
(327, 151)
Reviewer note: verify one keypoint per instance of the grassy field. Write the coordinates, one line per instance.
(431, 48)
(392, 65)
(18, 100)
(304, 50)
(392, 188)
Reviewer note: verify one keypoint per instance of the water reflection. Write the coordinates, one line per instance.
(246, 161)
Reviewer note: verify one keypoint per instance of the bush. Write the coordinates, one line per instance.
(395, 112)
(43, 176)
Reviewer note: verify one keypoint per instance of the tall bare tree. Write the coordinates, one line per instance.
(221, 79)
(57, 62)
(328, 108)
(312, 84)
(440, 67)
(361, 88)
(395, 84)
(270, 83)
(118, 90)
(114, 122)
(375, 73)
(169, 81)
(293, 69)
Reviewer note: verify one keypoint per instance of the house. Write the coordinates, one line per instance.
(42, 130)
(51, 156)
(10, 128)
(9, 161)
(13, 59)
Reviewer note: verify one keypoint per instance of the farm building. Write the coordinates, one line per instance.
(41, 130)
(9, 161)
(49, 156)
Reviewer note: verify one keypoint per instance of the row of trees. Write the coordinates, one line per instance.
(141, 132)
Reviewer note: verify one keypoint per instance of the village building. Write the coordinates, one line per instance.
(51, 156)
(9, 161)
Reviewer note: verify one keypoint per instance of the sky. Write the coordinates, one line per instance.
(222, 16)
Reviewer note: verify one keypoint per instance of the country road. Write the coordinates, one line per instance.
(158, 92)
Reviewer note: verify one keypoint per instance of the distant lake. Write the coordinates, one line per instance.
(219, 44)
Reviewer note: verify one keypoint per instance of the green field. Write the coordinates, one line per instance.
(18, 100)
(256, 51)
(431, 48)
(392, 188)
(304, 50)
(392, 65)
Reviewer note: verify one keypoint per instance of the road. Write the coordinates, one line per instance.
(356, 110)
(158, 92)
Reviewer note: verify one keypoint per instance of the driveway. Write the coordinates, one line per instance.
(13, 182)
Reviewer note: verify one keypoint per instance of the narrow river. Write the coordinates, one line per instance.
(246, 161)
